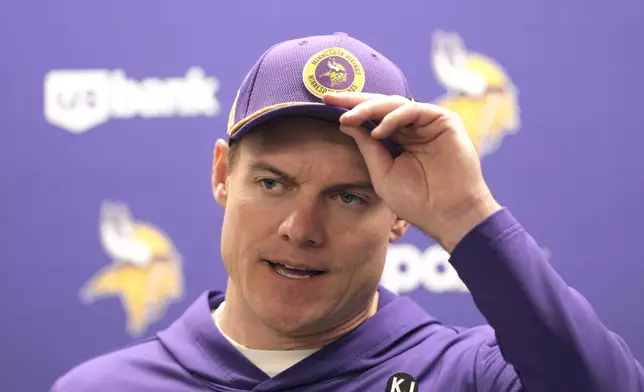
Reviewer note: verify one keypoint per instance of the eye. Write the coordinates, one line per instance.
(269, 184)
(348, 198)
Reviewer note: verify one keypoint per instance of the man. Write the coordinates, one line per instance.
(315, 184)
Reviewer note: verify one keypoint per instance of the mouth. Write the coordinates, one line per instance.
(292, 272)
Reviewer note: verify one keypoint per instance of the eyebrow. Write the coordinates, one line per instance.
(357, 185)
(263, 166)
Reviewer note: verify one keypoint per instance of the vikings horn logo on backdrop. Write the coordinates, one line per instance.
(145, 272)
(478, 89)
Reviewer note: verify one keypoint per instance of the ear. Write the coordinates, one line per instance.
(220, 172)
(398, 229)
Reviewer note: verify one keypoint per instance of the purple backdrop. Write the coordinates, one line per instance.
(121, 102)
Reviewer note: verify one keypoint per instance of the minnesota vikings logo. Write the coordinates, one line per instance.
(336, 73)
(145, 273)
(478, 90)
(333, 69)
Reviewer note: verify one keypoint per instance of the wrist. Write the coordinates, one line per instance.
(454, 225)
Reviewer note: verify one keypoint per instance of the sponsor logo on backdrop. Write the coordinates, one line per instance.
(480, 91)
(408, 268)
(79, 100)
(145, 270)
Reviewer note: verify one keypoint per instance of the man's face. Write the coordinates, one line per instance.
(298, 194)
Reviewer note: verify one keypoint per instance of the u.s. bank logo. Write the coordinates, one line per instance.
(145, 272)
(479, 90)
(79, 100)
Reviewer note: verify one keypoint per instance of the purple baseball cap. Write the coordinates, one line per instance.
(290, 78)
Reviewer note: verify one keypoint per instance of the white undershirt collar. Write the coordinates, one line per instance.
(271, 362)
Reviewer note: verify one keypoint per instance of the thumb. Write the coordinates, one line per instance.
(379, 161)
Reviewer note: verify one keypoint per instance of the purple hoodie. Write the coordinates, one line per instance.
(543, 336)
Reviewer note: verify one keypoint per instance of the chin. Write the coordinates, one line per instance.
(292, 320)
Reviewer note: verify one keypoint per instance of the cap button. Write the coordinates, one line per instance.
(341, 33)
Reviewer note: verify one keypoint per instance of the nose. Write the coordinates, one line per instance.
(303, 227)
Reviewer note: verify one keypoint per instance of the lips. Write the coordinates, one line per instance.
(293, 272)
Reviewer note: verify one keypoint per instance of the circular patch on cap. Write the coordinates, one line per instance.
(333, 70)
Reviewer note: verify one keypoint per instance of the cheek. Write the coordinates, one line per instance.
(234, 232)
(366, 249)
(258, 215)
(247, 225)
(229, 241)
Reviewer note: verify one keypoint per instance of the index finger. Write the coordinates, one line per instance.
(348, 100)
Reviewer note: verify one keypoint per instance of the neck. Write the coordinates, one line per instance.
(242, 325)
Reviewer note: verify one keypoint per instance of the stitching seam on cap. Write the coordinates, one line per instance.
(252, 84)
(404, 80)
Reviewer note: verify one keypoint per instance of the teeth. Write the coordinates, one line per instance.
(280, 269)
(292, 272)
(295, 268)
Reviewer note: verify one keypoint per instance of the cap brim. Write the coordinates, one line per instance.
(309, 109)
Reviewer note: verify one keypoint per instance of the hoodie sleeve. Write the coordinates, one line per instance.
(546, 331)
